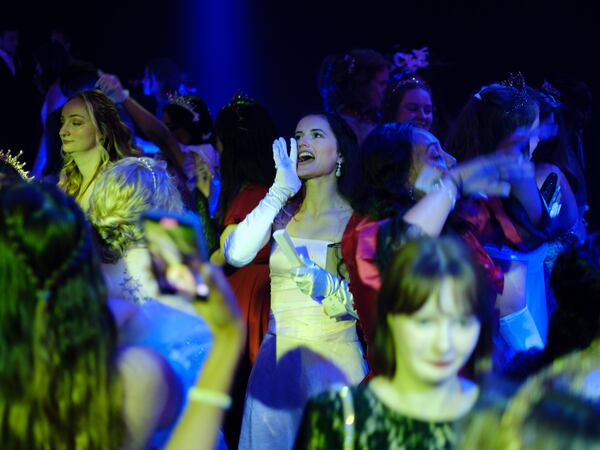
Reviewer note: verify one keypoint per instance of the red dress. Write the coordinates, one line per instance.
(251, 283)
(252, 287)
(359, 244)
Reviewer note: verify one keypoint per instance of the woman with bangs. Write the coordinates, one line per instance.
(432, 311)
(93, 136)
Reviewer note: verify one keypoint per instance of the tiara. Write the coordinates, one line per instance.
(412, 80)
(144, 162)
(515, 80)
(14, 162)
(239, 100)
(184, 102)
(548, 88)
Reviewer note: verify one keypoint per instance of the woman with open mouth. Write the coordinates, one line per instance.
(312, 342)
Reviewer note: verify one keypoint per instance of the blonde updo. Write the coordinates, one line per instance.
(122, 194)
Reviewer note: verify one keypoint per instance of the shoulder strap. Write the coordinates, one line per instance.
(347, 400)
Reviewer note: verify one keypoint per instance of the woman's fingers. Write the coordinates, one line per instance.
(293, 151)
(276, 153)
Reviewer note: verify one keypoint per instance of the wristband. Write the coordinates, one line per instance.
(210, 397)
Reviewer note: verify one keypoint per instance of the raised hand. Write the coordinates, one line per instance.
(517, 142)
(112, 87)
(313, 280)
(491, 175)
(286, 178)
(220, 310)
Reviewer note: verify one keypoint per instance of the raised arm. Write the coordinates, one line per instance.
(484, 176)
(240, 243)
(152, 127)
(199, 425)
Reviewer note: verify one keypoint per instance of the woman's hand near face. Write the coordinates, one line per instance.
(286, 177)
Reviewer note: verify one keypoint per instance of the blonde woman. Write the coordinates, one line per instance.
(122, 193)
(93, 136)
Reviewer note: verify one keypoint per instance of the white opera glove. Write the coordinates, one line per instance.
(340, 304)
(324, 287)
(313, 280)
(252, 233)
(286, 177)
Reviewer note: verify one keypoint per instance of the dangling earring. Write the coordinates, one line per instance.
(338, 168)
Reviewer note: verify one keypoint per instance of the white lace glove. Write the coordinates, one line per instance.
(112, 87)
(251, 234)
(325, 288)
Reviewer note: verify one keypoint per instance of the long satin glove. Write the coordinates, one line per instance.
(324, 287)
(249, 236)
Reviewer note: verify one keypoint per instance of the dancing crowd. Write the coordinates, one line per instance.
(378, 280)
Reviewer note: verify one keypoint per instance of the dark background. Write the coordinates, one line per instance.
(272, 50)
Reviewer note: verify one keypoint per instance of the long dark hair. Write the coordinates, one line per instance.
(347, 148)
(489, 116)
(559, 150)
(246, 132)
(343, 81)
(59, 386)
(380, 188)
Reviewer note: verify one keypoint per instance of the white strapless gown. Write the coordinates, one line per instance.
(303, 354)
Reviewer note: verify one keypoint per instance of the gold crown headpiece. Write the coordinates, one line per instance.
(184, 102)
(13, 161)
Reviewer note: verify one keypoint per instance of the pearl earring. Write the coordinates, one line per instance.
(338, 168)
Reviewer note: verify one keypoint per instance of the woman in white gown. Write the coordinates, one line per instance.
(308, 347)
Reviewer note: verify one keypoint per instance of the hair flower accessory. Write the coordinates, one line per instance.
(413, 61)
